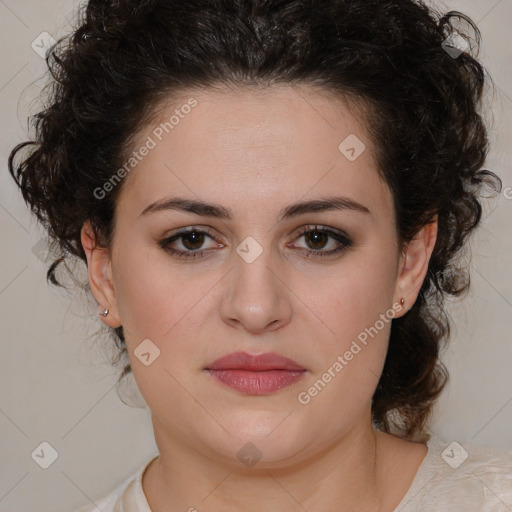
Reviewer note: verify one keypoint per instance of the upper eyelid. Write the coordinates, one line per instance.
(320, 227)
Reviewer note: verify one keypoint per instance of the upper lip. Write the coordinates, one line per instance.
(261, 362)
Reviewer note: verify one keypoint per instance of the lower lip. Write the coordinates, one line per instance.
(257, 383)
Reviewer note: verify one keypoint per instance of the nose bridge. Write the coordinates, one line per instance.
(252, 275)
(256, 297)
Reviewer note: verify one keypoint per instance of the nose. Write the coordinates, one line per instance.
(256, 297)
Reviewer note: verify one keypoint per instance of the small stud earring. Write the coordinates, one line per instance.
(402, 302)
(104, 313)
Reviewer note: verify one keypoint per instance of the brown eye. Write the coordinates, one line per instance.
(193, 240)
(189, 241)
(317, 239)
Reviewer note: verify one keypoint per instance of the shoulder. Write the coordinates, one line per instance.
(127, 496)
(460, 476)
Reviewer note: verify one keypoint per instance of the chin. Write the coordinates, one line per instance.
(263, 443)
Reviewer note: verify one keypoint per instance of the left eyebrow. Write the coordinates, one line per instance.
(322, 205)
(217, 211)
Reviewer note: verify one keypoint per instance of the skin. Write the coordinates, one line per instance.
(256, 152)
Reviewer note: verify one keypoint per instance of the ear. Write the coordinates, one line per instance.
(413, 266)
(99, 266)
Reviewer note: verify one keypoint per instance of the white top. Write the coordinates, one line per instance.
(450, 478)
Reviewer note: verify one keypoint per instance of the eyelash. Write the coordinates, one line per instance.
(339, 236)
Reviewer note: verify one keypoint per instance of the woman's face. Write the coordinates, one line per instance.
(260, 285)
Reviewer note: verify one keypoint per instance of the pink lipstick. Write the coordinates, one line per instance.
(256, 374)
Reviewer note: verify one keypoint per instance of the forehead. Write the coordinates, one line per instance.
(274, 144)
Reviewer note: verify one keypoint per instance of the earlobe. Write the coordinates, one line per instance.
(415, 264)
(100, 276)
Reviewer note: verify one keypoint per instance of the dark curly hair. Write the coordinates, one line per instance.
(421, 101)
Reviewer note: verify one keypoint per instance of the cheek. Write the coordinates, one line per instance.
(154, 304)
(350, 352)
(149, 292)
(353, 312)
(168, 307)
(351, 298)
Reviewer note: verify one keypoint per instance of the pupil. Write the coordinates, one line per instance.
(197, 239)
(317, 235)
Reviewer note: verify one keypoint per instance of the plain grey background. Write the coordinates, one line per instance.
(56, 385)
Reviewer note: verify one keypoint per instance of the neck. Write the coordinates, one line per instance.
(345, 476)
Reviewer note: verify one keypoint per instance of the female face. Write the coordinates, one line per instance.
(267, 269)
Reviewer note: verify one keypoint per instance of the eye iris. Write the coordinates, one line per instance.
(196, 237)
(316, 236)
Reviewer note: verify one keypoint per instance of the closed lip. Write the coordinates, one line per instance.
(255, 363)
